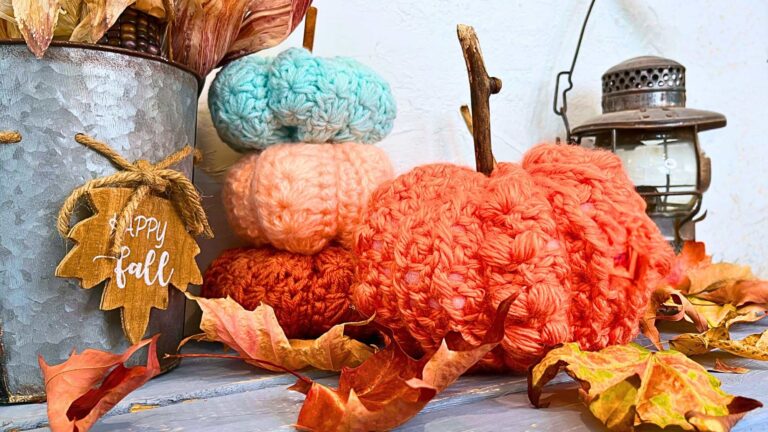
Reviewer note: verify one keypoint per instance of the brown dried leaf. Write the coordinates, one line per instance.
(716, 276)
(98, 17)
(87, 385)
(668, 304)
(390, 387)
(629, 386)
(258, 338)
(721, 366)
(36, 20)
(737, 292)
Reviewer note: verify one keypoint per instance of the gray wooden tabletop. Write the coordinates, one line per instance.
(225, 395)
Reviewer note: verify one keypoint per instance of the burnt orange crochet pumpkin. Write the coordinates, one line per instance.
(442, 245)
(309, 294)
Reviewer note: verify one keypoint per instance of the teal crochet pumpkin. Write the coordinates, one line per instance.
(296, 97)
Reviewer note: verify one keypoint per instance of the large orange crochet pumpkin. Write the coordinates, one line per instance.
(442, 245)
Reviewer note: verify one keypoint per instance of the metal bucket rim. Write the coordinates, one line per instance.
(117, 50)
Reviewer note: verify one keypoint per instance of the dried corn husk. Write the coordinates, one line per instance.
(205, 32)
(98, 17)
(36, 20)
(266, 24)
(69, 17)
(156, 8)
(8, 27)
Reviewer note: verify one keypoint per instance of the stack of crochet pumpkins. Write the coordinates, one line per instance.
(306, 125)
(434, 250)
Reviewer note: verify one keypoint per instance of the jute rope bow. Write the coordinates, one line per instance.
(145, 178)
(9, 137)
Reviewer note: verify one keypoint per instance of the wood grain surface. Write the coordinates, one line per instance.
(220, 395)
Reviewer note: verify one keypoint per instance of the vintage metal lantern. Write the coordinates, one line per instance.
(646, 123)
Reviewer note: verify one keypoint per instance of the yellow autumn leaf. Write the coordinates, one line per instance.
(754, 346)
(628, 386)
(258, 338)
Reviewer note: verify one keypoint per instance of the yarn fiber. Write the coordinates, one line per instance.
(256, 102)
(300, 197)
(442, 246)
(309, 294)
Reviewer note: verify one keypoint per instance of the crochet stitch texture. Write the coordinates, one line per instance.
(309, 294)
(300, 197)
(441, 246)
(256, 102)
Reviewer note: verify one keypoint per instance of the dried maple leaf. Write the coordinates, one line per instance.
(628, 386)
(704, 293)
(258, 338)
(390, 388)
(692, 255)
(206, 31)
(753, 346)
(87, 385)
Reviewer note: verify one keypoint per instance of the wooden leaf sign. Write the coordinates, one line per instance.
(157, 251)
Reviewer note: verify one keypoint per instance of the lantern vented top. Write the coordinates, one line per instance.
(647, 92)
(644, 82)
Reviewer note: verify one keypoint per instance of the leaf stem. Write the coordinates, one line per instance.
(247, 359)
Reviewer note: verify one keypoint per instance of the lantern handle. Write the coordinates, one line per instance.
(562, 111)
(481, 87)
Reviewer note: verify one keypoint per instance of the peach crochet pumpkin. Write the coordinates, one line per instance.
(442, 245)
(309, 294)
(300, 197)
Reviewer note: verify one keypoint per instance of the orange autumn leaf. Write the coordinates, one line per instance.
(628, 386)
(390, 388)
(257, 336)
(692, 255)
(87, 385)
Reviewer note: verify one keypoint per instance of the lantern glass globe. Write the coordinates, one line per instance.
(659, 161)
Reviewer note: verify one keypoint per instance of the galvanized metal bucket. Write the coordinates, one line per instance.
(145, 108)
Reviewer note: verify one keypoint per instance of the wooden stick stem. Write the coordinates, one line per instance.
(481, 88)
(310, 21)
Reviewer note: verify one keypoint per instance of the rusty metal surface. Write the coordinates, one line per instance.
(144, 109)
(647, 92)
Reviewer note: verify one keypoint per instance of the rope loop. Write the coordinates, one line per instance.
(144, 178)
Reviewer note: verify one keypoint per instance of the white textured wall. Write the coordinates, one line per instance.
(413, 44)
